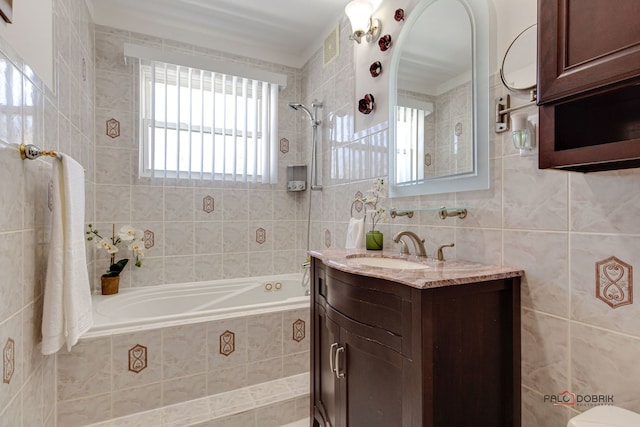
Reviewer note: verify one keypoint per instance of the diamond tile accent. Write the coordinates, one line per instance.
(284, 145)
(227, 343)
(148, 239)
(8, 361)
(113, 128)
(358, 205)
(614, 282)
(208, 204)
(298, 330)
(137, 358)
(327, 238)
(261, 235)
(427, 159)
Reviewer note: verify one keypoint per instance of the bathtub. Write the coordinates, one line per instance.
(151, 307)
(156, 347)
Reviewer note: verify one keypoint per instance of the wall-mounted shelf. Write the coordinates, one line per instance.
(443, 212)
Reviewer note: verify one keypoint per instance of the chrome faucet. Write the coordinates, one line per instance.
(418, 243)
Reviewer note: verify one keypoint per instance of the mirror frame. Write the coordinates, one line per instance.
(478, 178)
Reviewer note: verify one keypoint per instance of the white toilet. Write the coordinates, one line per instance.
(605, 416)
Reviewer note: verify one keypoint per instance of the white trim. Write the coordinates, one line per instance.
(204, 63)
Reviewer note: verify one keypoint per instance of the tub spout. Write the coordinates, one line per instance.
(306, 278)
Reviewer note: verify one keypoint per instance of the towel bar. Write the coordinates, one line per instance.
(31, 152)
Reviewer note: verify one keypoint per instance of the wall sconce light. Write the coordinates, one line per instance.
(523, 132)
(362, 24)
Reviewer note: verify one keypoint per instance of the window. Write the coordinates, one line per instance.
(198, 124)
(410, 143)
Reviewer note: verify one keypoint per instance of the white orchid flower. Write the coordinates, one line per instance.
(136, 246)
(128, 233)
(107, 246)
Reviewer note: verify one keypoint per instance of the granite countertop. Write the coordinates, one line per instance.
(438, 274)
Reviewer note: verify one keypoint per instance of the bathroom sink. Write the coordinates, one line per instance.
(380, 262)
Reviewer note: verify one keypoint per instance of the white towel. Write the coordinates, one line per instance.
(67, 311)
(355, 234)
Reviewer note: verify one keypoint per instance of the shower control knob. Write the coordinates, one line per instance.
(296, 186)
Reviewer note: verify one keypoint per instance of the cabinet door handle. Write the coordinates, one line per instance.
(339, 374)
(332, 356)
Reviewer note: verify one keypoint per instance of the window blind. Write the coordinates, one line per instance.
(199, 124)
(410, 143)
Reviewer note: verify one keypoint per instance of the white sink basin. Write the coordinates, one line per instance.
(401, 264)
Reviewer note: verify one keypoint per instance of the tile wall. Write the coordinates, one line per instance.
(52, 119)
(200, 230)
(110, 377)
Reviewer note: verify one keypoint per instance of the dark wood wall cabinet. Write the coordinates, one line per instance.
(589, 84)
(385, 354)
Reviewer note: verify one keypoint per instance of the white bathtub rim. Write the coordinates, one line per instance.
(157, 322)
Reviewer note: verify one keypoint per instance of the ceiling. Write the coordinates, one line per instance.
(286, 32)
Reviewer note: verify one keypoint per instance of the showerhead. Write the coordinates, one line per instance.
(297, 106)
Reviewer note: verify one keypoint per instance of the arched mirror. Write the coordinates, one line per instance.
(439, 105)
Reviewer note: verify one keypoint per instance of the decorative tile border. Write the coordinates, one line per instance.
(8, 361)
(261, 235)
(614, 282)
(208, 204)
(298, 330)
(137, 358)
(327, 238)
(149, 239)
(284, 145)
(113, 128)
(227, 343)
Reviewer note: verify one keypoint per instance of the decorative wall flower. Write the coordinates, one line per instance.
(371, 198)
(127, 233)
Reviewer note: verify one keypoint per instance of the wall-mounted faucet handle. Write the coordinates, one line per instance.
(439, 254)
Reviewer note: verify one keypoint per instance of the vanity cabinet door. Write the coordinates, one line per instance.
(586, 44)
(326, 399)
(372, 382)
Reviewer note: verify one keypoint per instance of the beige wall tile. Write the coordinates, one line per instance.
(85, 371)
(264, 336)
(184, 389)
(183, 351)
(84, 411)
(137, 399)
(545, 259)
(596, 208)
(226, 379)
(536, 412)
(593, 372)
(545, 352)
(533, 199)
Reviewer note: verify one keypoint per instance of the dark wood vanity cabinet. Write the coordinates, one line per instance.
(389, 355)
(589, 84)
